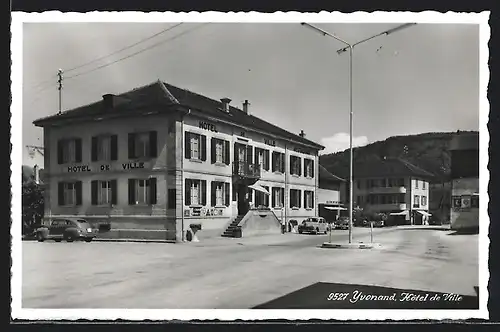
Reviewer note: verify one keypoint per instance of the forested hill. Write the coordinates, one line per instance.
(429, 151)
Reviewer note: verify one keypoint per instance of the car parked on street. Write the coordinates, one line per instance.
(68, 229)
(314, 225)
(342, 223)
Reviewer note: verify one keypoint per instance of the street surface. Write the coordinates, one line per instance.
(225, 273)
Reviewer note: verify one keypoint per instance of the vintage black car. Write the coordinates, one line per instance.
(68, 229)
(314, 225)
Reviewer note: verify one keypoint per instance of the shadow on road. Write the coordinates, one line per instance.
(349, 296)
(465, 232)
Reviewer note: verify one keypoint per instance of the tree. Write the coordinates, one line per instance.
(32, 205)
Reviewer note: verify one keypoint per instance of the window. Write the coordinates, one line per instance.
(219, 151)
(103, 192)
(219, 193)
(262, 199)
(142, 191)
(195, 192)
(423, 184)
(295, 165)
(358, 184)
(262, 158)
(70, 193)
(416, 201)
(278, 162)
(416, 184)
(309, 168)
(295, 198)
(171, 198)
(69, 151)
(142, 145)
(424, 200)
(278, 197)
(308, 199)
(195, 146)
(104, 148)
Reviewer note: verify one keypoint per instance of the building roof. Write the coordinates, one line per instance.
(389, 167)
(324, 175)
(172, 98)
(465, 141)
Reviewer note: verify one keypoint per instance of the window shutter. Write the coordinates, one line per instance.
(187, 145)
(249, 154)
(312, 199)
(266, 160)
(312, 168)
(212, 193)
(266, 198)
(299, 200)
(152, 192)
(227, 153)
(273, 196)
(78, 188)
(305, 199)
(131, 191)
(226, 193)
(274, 159)
(283, 194)
(93, 151)
(282, 163)
(292, 197)
(203, 142)
(114, 192)
(256, 157)
(93, 192)
(203, 192)
(212, 150)
(59, 152)
(114, 147)
(291, 165)
(187, 192)
(131, 146)
(153, 144)
(78, 150)
(60, 193)
(299, 162)
(250, 195)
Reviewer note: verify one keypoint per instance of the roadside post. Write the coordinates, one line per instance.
(371, 231)
(330, 236)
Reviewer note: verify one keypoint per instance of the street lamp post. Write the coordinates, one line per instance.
(350, 47)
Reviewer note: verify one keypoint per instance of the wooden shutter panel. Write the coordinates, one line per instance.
(305, 198)
(60, 193)
(226, 193)
(312, 168)
(312, 199)
(212, 150)
(152, 191)
(273, 196)
(131, 146)
(249, 154)
(78, 188)
(78, 150)
(114, 147)
(114, 192)
(212, 193)
(274, 160)
(203, 192)
(93, 192)
(203, 142)
(282, 196)
(250, 195)
(300, 199)
(59, 152)
(153, 144)
(93, 149)
(291, 165)
(299, 162)
(291, 197)
(187, 192)
(282, 155)
(266, 160)
(131, 191)
(227, 153)
(187, 145)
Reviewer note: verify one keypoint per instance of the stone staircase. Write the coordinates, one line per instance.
(233, 230)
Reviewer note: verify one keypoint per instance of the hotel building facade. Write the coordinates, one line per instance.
(159, 161)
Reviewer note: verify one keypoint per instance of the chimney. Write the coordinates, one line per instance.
(225, 104)
(35, 171)
(302, 134)
(245, 106)
(108, 100)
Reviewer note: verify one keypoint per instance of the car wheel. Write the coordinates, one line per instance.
(89, 239)
(57, 240)
(40, 237)
(68, 238)
(300, 231)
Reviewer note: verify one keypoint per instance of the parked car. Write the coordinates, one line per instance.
(314, 225)
(342, 223)
(68, 229)
(379, 223)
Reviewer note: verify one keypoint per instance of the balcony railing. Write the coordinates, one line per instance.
(246, 170)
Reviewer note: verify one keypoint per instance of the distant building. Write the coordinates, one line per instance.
(465, 181)
(395, 187)
(331, 195)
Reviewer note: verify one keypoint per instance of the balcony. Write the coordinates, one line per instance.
(243, 169)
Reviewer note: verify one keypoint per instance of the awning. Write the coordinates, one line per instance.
(334, 208)
(424, 213)
(402, 213)
(259, 188)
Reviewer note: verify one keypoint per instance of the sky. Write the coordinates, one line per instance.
(421, 79)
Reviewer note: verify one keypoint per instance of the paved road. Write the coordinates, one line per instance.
(239, 273)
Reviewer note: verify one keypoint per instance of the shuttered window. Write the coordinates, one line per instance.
(142, 145)
(70, 193)
(195, 146)
(195, 192)
(142, 191)
(69, 151)
(295, 198)
(104, 148)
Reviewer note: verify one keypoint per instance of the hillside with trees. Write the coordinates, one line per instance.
(429, 151)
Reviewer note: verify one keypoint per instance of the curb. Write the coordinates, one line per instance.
(329, 245)
(133, 240)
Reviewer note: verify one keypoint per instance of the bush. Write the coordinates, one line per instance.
(32, 206)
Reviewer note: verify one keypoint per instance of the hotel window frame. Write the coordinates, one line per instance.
(278, 194)
(416, 184)
(224, 149)
(264, 162)
(190, 140)
(295, 199)
(278, 162)
(96, 192)
(416, 201)
(97, 147)
(224, 194)
(308, 168)
(308, 199)
(295, 165)
(149, 192)
(423, 184)
(201, 188)
(148, 141)
(75, 192)
(69, 150)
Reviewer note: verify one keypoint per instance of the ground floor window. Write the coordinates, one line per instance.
(295, 198)
(103, 192)
(416, 201)
(142, 191)
(278, 197)
(195, 192)
(70, 193)
(219, 193)
(261, 199)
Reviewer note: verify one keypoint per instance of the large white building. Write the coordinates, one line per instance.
(159, 160)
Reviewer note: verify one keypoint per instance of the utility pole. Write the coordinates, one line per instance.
(59, 87)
